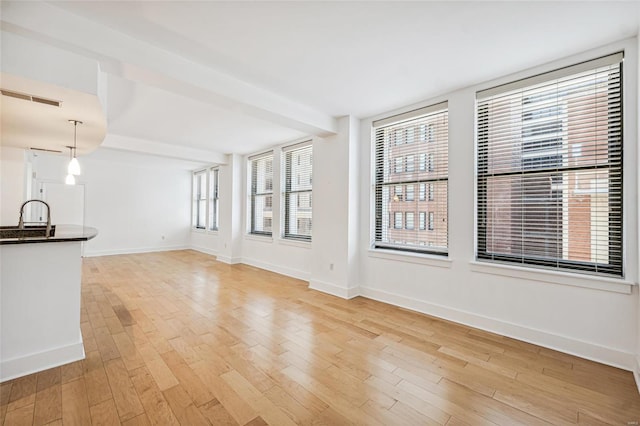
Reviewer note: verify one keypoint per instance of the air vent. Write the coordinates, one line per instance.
(31, 98)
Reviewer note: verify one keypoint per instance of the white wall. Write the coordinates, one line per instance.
(12, 184)
(637, 363)
(543, 308)
(137, 202)
(272, 253)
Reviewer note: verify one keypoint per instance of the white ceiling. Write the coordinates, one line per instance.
(292, 64)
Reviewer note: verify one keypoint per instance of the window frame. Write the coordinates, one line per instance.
(424, 138)
(197, 193)
(253, 192)
(213, 201)
(287, 192)
(616, 268)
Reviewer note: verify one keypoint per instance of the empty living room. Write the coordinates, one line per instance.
(319, 212)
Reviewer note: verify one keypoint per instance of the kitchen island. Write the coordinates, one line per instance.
(40, 280)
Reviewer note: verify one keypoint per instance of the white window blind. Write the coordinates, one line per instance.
(261, 202)
(421, 137)
(213, 198)
(549, 169)
(199, 209)
(298, 191)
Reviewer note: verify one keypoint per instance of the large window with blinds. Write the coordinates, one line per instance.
(199, 208)
(214, 213)
(549, 169)
(298, 191)
(261, 197)
(411, 181)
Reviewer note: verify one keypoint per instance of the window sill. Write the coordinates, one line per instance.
(408, 257)
(555, 277)
(261, 238)
(294, 243)
(205, 231)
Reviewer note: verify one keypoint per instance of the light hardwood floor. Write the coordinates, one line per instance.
(178, 338)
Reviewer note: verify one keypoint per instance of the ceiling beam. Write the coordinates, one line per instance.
(145, 63)
(143, 146)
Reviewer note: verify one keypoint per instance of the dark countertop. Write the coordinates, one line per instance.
(63, 233)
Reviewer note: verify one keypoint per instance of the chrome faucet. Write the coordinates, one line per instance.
(21, 221)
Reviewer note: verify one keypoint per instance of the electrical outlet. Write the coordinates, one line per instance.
(331, 266)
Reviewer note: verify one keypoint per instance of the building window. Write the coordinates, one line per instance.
(199, 200)
(422, 191)
(410, 163)
(213, 198)
(298, 162)
(410, 193)
(431, 221)
(397, 220)
(550, 169)
(261, 197)
(430, 192)
(422, 225)
(422, 162)
(409, 223)
(399, 165)
(390, 187)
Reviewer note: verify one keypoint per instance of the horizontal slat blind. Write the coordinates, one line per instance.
(213, 198)
(298, 191)
(550, 171)
(261, 193)
(199, 208)
(411, 182)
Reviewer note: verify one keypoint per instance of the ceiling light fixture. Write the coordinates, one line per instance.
(70, 179)
(74, 165)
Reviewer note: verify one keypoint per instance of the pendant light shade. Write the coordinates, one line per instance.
(74, 165)
(71, 179)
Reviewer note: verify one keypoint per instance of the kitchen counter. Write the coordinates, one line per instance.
(63, 233)
(40, 301)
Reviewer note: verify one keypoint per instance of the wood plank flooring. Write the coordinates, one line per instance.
(177, 338)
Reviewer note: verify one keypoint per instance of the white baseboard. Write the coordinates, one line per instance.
(335, 290)
(18, 367)
(613, 357)
(290, 272)
(95, 253)
(204, 250)
(228, 260)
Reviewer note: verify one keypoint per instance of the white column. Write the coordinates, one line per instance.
(231, 189)
(334, 267)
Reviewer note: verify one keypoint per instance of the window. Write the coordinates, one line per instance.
(422, 222)
(430, 192)
(199, 200)
(431, 221)
(397, 220)
(550, 169)
(423, 124)
(398, 193)
(410, 194)
(298, 161)
(261, 214)
(422, 192)
(399, 165)
(422, 162)
(409, 224)
(213, 199)
(410, 163)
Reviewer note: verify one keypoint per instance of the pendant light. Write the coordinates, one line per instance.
(74, 165)
(70, 179)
